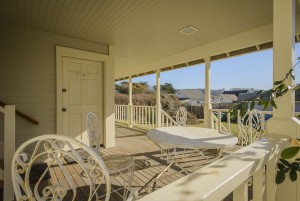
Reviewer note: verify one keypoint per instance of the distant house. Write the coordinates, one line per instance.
(245, 96)
(191, 96)
(214, 92)
(225, 98)
(236, 92)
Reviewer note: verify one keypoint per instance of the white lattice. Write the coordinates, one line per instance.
(52, 150)
(250, 127)
(181, 116)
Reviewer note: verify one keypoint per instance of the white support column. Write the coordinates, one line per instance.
(130, 105)
(9, 150)
(207, 105)
(158, 103)
(283, 121)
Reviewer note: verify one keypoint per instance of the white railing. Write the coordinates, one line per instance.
(218, 125)
(230, 174)
(167, 120)
(121, 112)
(144, 116)
(217, 120)
(9, 149)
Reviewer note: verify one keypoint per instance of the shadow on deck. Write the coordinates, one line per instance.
(148, 164)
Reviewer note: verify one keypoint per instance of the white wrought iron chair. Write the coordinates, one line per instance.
(181, 116)
(122, 165)
(35, 159)
(250, 128)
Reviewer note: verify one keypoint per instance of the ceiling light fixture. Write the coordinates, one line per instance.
(189, 30)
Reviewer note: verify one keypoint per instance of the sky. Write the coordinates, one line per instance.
(252, 70)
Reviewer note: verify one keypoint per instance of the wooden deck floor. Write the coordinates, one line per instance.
(148, 164)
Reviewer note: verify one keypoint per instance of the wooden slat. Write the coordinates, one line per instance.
(134, 143)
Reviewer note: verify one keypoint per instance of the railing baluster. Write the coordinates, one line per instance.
(220, 121)
(262, 123)
(241, 192)
(259, 185)
(149, 115)
(228, 122)
(153, 114)
(270, 180)
(143, 115)
(139, 115)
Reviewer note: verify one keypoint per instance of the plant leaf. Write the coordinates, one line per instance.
(280, 166)
(285, 162)
(293, 175)
(278, 82)
(280, 177)
(289, 152)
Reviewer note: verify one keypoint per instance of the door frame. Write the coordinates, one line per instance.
(108, 88)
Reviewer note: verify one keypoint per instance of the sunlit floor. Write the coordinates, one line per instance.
(148, 164)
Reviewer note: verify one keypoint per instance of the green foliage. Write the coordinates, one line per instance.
(168, 88)
(137, 99)
(137, 88)
(267, 99)
(290, 152)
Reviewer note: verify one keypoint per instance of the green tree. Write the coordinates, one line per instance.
(166, 88)
(137, 88)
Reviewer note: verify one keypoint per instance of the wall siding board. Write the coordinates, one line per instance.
(28, 76)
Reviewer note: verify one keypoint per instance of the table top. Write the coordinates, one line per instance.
(192, 137)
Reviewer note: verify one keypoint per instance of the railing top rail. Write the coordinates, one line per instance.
(169, 117)
(225, 174)
(122, 105)
(21, 114)
(220, 110)
(143, 106)
(266, 112)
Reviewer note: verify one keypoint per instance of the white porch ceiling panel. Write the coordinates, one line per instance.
(141, 30)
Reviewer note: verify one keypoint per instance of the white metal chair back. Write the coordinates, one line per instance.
(250, 128)
(52, 151)
(93, 131)
(181, 116)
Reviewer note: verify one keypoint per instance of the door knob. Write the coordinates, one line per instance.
(64, 109)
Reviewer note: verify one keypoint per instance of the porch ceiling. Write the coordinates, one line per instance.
(141, 31)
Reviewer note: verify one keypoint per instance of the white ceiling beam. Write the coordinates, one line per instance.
(249, 38)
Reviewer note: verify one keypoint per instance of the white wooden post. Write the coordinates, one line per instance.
(158, 103)
(207, 105)
(130, 112)
(283, 121)
(9, 150)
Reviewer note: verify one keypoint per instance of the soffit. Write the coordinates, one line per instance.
(140, 30)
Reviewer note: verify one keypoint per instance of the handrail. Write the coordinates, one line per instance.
(219, 124)
(169, 118)
(229, 174)
(21, 114)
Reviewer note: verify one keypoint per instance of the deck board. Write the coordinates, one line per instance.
(148, 164)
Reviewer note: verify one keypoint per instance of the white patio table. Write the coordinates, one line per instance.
(189, 138)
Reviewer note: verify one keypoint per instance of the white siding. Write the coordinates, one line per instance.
(28, 76)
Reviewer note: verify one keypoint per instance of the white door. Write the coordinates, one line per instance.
(82, 93)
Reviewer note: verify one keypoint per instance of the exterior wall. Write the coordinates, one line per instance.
(28, 76)
(180, 95)
(224, 99)
(196, 102)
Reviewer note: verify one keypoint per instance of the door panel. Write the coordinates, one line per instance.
(82, 80)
